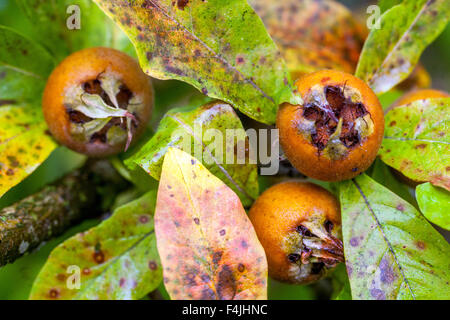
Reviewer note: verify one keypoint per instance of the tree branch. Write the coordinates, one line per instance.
(49, 212)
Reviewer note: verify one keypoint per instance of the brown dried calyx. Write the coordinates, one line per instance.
(100, 111)
(316, 252)
(337, 120)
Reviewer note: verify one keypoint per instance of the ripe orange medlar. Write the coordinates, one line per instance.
(420, 95)
(336, 133)
(299, 225)
(97, 101)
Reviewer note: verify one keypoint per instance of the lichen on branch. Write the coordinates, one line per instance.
(49, 212)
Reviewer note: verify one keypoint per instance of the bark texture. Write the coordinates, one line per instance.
(49, 212)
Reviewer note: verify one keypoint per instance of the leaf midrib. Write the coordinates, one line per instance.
(216, 55)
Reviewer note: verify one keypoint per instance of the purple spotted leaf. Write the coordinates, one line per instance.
(391, 51)
(219, 47)
(391, 251)
(24, 143)
(114, 260)
(417, 141)
(208, 247)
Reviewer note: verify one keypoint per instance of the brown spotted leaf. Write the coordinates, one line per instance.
(392, 51)
(313, 35)
(24, 143)
(219, 47)
(114, 260)
(207, 245)
(417, 141)
(391, 251)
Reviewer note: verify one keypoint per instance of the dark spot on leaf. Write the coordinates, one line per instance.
(143, 219)
(53, 293)
(208, 294)
(189, 279)
(354, 242)
(182, 3)
(226, 284)
(205, 91)
(197, 220)
(400, 207)
(152, 265)
(377, 294)
(244, 244)
(241, 267)
(9, 172)
(61, 277)
(325, 79)
(149, 55)
(86, 271)
(99, 257)
(121, 282)
(240, 60)
(421, 146)
(393, 123)
(205, 277)
(420, 245)
(217, 256)
(355, 169)
(174, 70)
(387, 274)
(222, 232)
(13, 162)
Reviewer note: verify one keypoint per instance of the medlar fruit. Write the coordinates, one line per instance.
(97, 101)
(299, 226)
(420, 95)
(336, 133)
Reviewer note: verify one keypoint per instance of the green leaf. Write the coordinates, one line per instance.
(387, 4)
(219, 47)
(49, 19)
(417, 141)
(24, 143)
(391, 251)
(24, 67)
(17, 278)
(434, 203)
(383, 175)
(391, 52)
(190, 126)
(118, 258)
(341, 284)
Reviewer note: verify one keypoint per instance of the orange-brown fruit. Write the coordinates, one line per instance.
(420, 95)
(97, 101)
(336, 133)
(299, 226)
